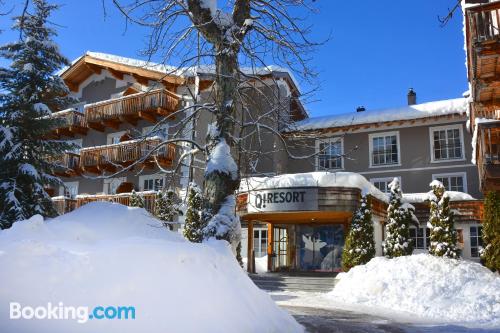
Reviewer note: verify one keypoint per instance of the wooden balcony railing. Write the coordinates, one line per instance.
(108, 158)
(130, 108)
(123, 198)
(67, 165)
(488, 155)
(71, 122)
(64, 205)
(484, 22)
(487, 111)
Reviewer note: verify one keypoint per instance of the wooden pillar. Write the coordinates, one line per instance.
(270, 240)
(250, 260)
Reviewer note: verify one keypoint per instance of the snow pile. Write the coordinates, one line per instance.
(107, 254)
(422, 197)
(313, 179)
(444, 290)
(222, 161)
(418, 111)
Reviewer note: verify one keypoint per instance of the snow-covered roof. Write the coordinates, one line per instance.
(180, 71)
(422, 197)
(313, 179)
(410, 112)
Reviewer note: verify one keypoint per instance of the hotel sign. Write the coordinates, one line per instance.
(283, 200)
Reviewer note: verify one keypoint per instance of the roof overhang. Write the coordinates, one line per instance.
(87, 65)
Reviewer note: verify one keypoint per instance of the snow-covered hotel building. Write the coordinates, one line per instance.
(298, 214)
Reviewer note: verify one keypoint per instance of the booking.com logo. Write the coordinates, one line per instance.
(79, 313)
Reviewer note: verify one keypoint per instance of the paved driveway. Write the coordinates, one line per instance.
(338, 321)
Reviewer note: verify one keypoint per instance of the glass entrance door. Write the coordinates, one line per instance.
(280, 245)
(320, 247)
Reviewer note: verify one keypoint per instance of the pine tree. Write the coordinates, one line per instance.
(490, 255)
(359, 247)
(29, 92)
(397, 229)
(193, 225)
(166, 208)
(136, 200)
(443, 236)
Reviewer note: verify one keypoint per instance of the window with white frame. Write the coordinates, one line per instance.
(260, 242)
(329, 154)
(69, 189)
(384, 149)
(151, 182)
(111, 184)
(453, 181)
(421, 237)
(160, 130)
(113, 138)
(447, 143)
(383, 183)
(476, 240)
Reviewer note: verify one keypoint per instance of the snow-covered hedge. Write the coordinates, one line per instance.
(108, 254)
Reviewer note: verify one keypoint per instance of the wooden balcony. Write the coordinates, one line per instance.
(484, 110)
(123, 198)
(112, 157)
(64, 205)
(482, 29)
(131, 108)
(67, 165)
(71, 123)
(488, 155)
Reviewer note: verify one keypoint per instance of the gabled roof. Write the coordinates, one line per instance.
(437, 109)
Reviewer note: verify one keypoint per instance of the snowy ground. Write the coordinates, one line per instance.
(418, 293)
(106, 254)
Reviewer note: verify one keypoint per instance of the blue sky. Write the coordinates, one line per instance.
(378, 49)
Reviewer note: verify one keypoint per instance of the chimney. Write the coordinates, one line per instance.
(412, 97)
(360, 109)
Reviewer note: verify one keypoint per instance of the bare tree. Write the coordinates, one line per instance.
(232, 45)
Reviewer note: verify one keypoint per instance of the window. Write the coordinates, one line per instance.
(260, 242)
(453, 181)
(383, 183)
(447, 143)
(151, 182)
(421, 237)
(69, 189)
(161, 131)
(330, 154)
(476, 241)
(111, 184)
(113, 138)
(384, 149)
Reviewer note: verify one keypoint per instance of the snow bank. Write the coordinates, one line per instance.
(443, 290)
(108, 254)
(418, 111)
(313, 179)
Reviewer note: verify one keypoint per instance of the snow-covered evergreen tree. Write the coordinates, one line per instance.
(29, 92)
(193, 225)
(397, 228)
(136, 200)
(443, 236)
(359, 246)
(490, 255)
(166, 208)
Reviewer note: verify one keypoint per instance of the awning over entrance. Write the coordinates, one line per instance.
(300, 217)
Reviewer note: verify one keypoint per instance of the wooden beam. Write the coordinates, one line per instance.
(147, 116)
(129, 119)
(270, 241)
(96, 126)
(141, 79)
(111, 123)
(250, 260)
(116, 74)
(95, 69)
(71, 86)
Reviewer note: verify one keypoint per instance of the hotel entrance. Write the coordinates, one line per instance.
(307, 247)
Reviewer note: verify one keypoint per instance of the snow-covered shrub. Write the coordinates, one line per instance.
(359, 246)
(443, 236)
